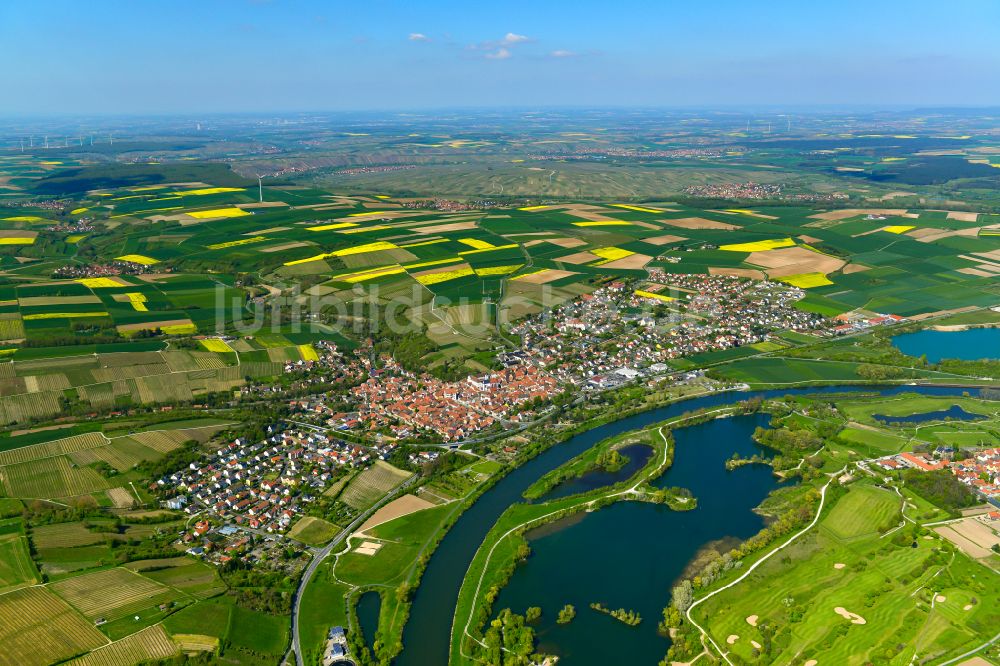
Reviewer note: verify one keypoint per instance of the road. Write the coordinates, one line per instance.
(321, 555)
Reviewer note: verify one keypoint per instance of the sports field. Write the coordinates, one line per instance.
(842, 594)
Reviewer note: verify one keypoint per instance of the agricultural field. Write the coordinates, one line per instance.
(145, 645)
(113, 593)
(16, 567)
(38, 628)
(372, 484)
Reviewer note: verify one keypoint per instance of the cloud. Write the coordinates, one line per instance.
(419, 37)
(512, 38)
(501, 49)
(560, 53)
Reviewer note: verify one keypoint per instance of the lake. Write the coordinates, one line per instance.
(970, 345)
(426, 635)
(630, 554)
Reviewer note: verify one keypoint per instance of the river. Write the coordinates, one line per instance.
(426, 638)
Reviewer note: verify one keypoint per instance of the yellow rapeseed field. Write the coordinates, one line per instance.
(654, 295)
(897, 228)
(242, 241)
(806, 280)
(137, 300)
(208, 190)
(497, 270)
(372, 274)
(138, 259)
(487, 249)
(328, 227)
(16, 241)
(215, 345)
(62, 315)
(100, 282)
(603, 223)
(217, 212)
(611, 253)
(759, 246)
(477, 244)
(179, 329)
(436, 262)
(641, 209)
(308, 353)
(538, 272)
(435, 278)
(376, 227)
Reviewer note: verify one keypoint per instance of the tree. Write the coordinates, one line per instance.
(682, 596)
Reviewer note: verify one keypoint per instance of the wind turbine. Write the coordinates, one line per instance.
(260, 186)
(22, 144)
(46, 140)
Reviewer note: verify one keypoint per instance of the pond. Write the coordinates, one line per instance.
(637, 454)
(970, 345)
(368, 609)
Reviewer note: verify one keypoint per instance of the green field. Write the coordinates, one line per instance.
(918, 600)
(864, 511)
(313, 531)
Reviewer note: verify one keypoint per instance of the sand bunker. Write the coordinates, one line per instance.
(940, 598)
(755, 644)
(367, 547)
(732, 639)
(811, 662)
(848, 615)
(752, 620)
(967, 607)
(839, 565)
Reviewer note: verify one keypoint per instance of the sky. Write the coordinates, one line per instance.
(224, 56)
